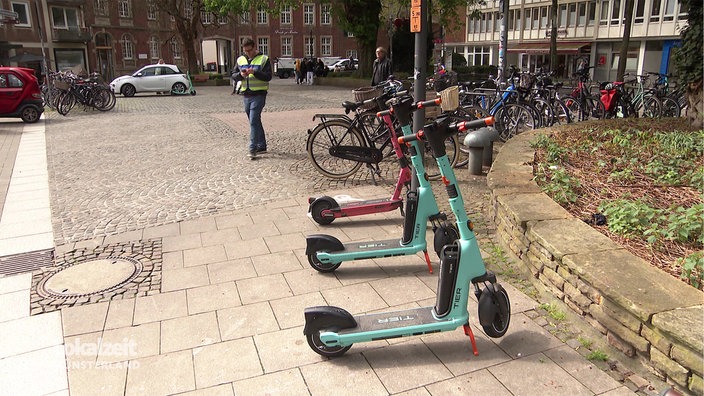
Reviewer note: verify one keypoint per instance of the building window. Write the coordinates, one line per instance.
(497, 21)
(22, 10)
(286, 46)
(246, 17)
(572, 19)
(349, 34)
(326, 46)
(263, 45)
(64, 18)
(669, 11)
(309, 14)
(616, 12)
(511, 16)
(543, 17)
(562, 14)
(154, 47)
(518, 20)
(123, 9)
(175, 48)
(152, 12)
(262, 17)
(482, 23)
(655, 11)
(536, 18)
(478, 56)
(101, 7)
(351, 54)
(592, 13)
(528, 15)
(604, 15)
(309, 46)
(206, 17)
(640, 12)
(127, 47)
(286, 15)
(683, 14)
(582, 14)
(325, 16)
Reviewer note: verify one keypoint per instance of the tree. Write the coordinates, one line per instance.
(553, 36)
(688, 62)
(623, 57)
(362, 18)
(186, 14)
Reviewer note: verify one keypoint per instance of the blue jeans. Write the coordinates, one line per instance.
(253, 106)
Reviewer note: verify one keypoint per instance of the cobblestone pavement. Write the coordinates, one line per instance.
(160, 159)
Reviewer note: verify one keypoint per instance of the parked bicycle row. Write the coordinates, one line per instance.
(66, 89)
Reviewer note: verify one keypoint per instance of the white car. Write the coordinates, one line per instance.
(342, 64)
(152, 78)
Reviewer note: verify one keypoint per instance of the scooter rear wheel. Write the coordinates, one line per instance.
(502, 318)
(317, 212)
(321, 267)
(321, 349)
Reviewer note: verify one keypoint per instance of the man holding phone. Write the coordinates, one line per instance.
(254, 70)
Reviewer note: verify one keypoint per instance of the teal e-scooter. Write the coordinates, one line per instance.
(325, 252)
(331, 331)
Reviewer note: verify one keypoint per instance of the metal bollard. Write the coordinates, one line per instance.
(476, 141)
(488, 157)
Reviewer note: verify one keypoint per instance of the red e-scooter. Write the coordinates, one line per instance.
(324, 210)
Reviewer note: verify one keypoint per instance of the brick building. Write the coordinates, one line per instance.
(115, 37)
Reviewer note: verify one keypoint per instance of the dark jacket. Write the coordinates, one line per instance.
(381, 70)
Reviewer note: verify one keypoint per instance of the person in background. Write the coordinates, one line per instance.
(382, 68)
(304, 70)
(310, 71)
(254, 71)
(298, 71)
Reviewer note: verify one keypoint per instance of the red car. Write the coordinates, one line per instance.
(19, 94)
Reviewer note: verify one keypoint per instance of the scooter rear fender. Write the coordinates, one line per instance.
(318, 242)
(327, 317)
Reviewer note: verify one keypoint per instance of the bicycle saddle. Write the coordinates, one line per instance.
(350, 106)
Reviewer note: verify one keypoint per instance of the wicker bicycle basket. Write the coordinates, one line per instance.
(450, 98)
(62, 85)
(366, 93)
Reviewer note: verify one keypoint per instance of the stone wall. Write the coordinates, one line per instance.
(642, 311)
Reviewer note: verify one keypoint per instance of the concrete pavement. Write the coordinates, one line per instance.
(217, 242)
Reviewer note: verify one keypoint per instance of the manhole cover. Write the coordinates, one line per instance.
(90, 277)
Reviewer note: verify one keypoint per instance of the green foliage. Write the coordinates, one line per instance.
(585, 342)
(693, 268)
(598, 355)
(688, 58)
(458, 60)
(553, 311)
(552, 176)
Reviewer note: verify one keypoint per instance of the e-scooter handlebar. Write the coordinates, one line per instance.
(418, 105)
(457, 126)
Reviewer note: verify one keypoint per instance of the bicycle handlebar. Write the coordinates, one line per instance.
(417, 105)
(460, 126)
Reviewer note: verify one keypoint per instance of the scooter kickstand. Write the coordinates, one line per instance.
(427, 260)
(468, 331)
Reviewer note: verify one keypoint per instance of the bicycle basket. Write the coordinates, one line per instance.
(366, 93)
(62, 85)
(450, 98)
(526, 81)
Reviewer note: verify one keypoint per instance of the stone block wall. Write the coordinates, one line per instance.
(643, 312)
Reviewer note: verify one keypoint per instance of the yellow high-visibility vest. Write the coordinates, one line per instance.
(250, 82)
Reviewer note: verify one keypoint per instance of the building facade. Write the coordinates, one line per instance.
(116, 37)
(589, 29)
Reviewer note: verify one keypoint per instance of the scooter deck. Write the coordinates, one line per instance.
(379, 201)
(392, 320)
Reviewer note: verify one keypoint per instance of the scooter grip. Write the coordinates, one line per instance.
(429, 103)
(410, 138)
(384, 112)
(474, 124)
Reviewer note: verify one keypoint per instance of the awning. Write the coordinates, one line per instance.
(544, 47)
(24, 58)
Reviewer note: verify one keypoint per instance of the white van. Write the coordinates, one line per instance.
(285, 67)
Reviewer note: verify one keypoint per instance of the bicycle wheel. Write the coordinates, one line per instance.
(327, 136)
(652, 107)
(574, 107)
(593, 108)
(66, 103)
(562, 113)
(452, 148)
(545, 111)
(670, 108)
(512, 119)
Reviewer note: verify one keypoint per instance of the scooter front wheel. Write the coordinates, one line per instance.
(321, 349)
(502, 316)
(321, 267)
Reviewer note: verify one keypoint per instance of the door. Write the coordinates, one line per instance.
(10, 92)
(105, 65)
(150, 79)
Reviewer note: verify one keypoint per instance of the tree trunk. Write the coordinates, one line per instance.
(553, 36)
(695, 102)
(628, 17)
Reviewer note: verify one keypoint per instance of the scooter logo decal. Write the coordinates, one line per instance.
(395, 319)
(372, 245)
(457, 297)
